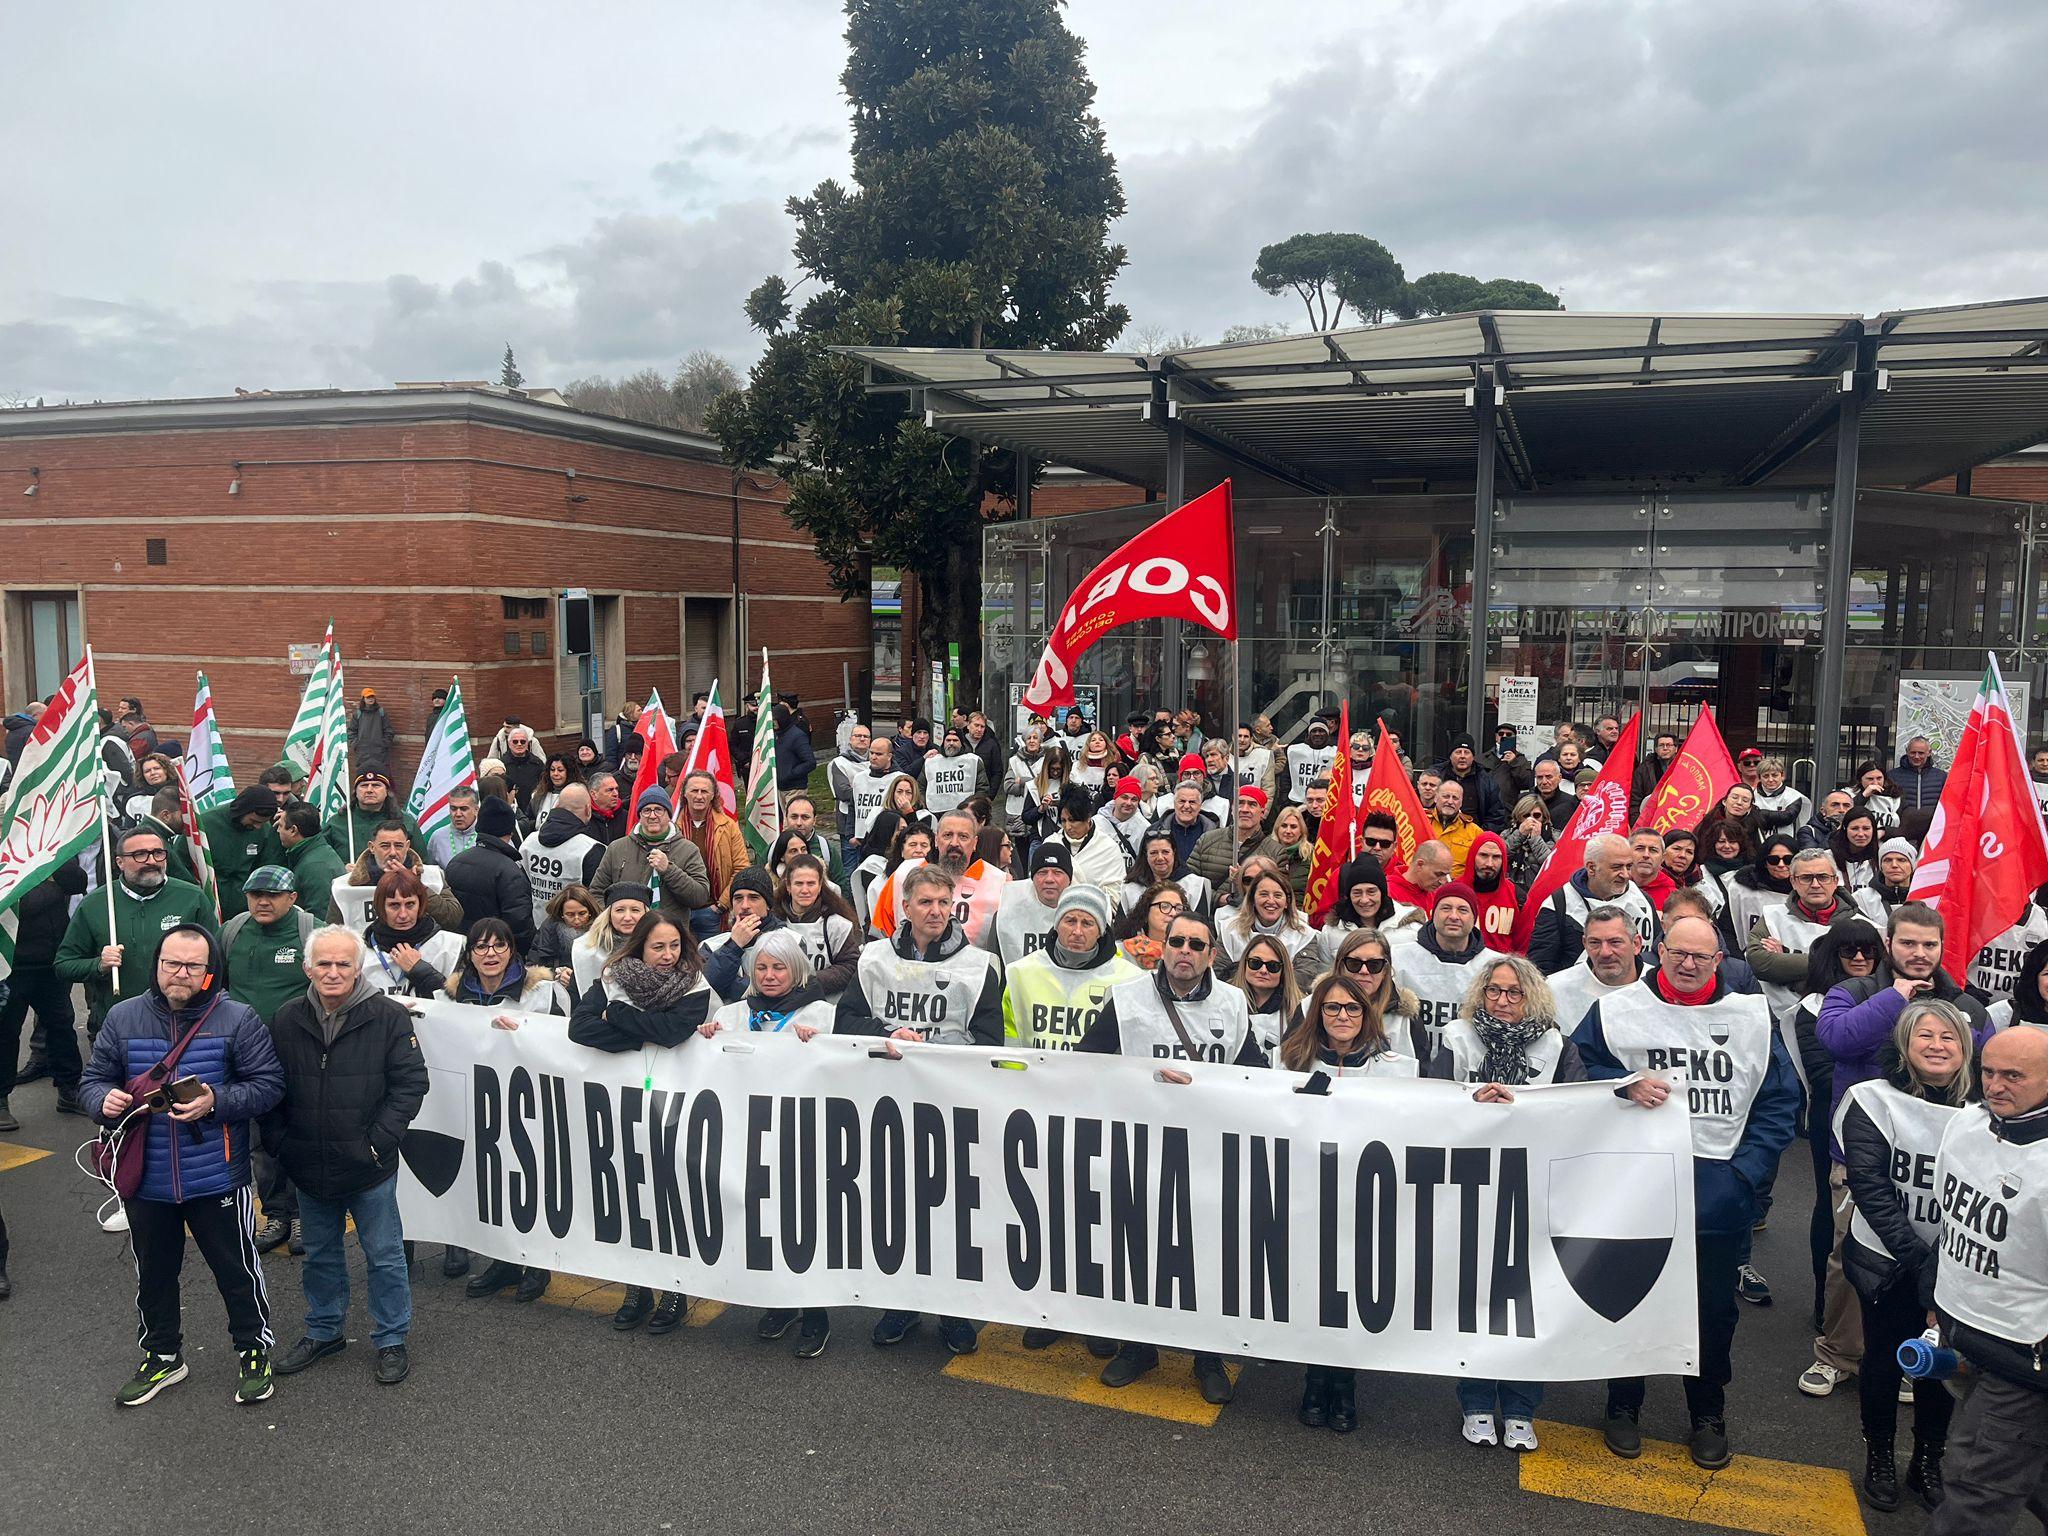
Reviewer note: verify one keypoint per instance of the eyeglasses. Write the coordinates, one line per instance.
(1688, 957)
(182, 967)
(146, 856)
(1503, 994)
(490, 944)
(1343, 1010)
(1272, 966)
(1816, 874)
(1361, 965)
(1182, 941)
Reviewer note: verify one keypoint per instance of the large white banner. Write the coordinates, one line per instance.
(1394, 1225)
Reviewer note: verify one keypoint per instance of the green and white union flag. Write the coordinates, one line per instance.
(300, 741)
(53, 804)
(444, 765)
(206, 760)
(761, 821)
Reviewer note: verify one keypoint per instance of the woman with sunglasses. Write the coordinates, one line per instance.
(1766, 883)
(490, 975)
(1848, 950)
(652, 996)
(1531, 837)
(1341, 1034)
(1270, 909)
(1891, 1127)
(1144, 927)
(1505, 1037)
(1366, 960)
(1265, 975)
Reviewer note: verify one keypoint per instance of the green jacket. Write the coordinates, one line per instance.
(316, 866)
(366, 822)
(236, 851)
(139, 928)
(266, 966)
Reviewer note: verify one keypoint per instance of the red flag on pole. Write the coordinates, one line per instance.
(1698, 777)
(1387, 789)
(1987, 852)
(1603, 809)
(1182, 567)
(657, 741)
(711, 752)
(1334, 837)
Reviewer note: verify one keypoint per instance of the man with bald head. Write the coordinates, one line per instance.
(563, 850)
(1414, 889)
(1679, 1029)
(1990, 1289)
(1559, 937)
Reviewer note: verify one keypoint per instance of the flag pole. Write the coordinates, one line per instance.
(92, 682)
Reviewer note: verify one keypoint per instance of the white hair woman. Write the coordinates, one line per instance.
(1505, 1037)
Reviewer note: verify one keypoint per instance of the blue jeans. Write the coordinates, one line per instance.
(1518, 1399)
(325, 1275)
(704, 922)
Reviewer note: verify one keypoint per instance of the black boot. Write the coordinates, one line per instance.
(533, 1284)
(1880, 1476)
(1923, 1472)
(495, 1276)
(1315, 1398)
(634, 1309)
(669, 1310)
(1343, 1402)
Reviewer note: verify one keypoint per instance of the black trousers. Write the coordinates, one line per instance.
(1890, 1318)
(37, 987)
(223, 1227)
(1719, 1255)
(274, 1186)
(2000, 1462)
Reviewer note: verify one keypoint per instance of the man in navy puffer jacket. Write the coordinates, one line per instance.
(195, 1171)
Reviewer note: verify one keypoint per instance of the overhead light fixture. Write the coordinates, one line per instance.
(235, 485)
(35, 482)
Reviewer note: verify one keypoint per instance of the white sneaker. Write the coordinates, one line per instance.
(1479, 1429)
(1820, 1379)
(1905, 1389)
(1518, 1435)
(118, 1222)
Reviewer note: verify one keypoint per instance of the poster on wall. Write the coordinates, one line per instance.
(1936, 704)
(1087, 699)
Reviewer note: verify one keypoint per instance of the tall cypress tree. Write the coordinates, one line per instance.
(978, 216)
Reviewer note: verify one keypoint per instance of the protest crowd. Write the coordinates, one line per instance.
(1321, 904)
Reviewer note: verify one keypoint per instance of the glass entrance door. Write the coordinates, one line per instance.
(1663, 604)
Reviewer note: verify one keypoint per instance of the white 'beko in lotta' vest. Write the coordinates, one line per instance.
(934, 997)
(1575, 989)
(1574, 904)
(1022, 922)
(1994, 1244)
(1996, 967)
(1468, 1053)
(870, 794)
(949, 781)
(1912, 1127)
(822, 937)
(1306, 764)
(1438, 984)
(1798, 935)
(1716, 1054)
(1217, 1024)
(549, 869)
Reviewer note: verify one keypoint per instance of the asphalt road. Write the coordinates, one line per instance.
(540, 1418)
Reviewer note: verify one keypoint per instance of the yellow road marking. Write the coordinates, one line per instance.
(588, 1295)
(1775, 1498)
(14, 1155)
(1067, 1370)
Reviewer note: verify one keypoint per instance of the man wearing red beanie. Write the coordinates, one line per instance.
(1123, 818)
(1436, 964)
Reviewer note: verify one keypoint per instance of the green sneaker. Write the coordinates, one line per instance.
(154, 1374)
(255, 1384)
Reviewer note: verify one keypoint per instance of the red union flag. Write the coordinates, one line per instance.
(1182, 567)
(1986, 852)
(1603, 808)
(1334, 838)
(1694, 783)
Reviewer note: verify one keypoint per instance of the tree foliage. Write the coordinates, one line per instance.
(508, 371)
(681, 402)
(1331, 272)
(977, 216)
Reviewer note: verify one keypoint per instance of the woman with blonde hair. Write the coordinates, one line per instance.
(1505, 1037)
(1269, 908)
(1293, 852)
(1265, 975)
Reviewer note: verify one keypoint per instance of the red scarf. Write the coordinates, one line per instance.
(1671, 994)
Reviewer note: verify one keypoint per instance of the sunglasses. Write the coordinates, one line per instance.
(1272, 966)
(1778, 858)
(1361, 965)
(1182, 941)
(1859, 951)
(1379, 844)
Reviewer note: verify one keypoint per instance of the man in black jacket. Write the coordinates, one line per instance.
(490, 880)
(353, 1080)
(1482, 799)
(43, 914)
(1989, 1284)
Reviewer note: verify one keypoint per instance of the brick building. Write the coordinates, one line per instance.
(435, 525)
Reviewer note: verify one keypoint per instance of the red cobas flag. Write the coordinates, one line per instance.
(1694, 783)
(1986, 852)
(1335, 837)
(1388, 789)
(1603, 808)
(1183, 567)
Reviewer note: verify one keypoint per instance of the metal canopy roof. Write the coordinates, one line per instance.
(1583, 399)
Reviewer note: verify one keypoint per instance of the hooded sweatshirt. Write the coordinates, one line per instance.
(1498, 899)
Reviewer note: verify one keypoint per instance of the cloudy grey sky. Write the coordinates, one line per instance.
(202, 197)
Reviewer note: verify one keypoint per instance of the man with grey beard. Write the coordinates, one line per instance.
(117, 963)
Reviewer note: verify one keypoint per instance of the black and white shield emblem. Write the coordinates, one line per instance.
(1613, 1216)
(438, 1137)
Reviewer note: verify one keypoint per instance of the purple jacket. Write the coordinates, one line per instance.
(1856, 1022)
